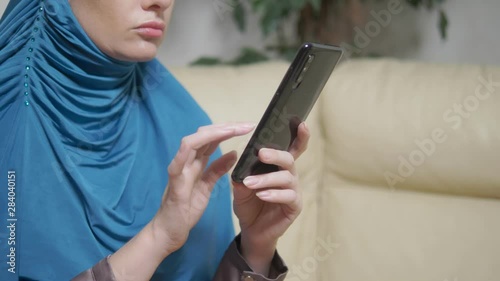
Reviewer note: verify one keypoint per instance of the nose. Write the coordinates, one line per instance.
(157, 5)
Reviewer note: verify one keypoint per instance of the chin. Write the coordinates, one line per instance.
(142, 57)
(140, 53)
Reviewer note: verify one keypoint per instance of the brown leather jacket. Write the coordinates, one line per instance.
(232, 268)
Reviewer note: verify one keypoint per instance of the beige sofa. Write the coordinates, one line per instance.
(401, 180)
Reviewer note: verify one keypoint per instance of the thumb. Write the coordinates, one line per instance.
(218, 168)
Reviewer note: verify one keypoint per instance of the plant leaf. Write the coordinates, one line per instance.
(414, 3)
(443, 24)
(297, 4)
(258, 4)
(270, 19)
(316, 4)
(207, 61)
(239, 17)
(430, 4)
(249, 56)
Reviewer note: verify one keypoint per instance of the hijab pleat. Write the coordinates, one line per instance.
(90, 138)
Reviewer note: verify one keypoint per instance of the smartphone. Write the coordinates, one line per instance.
(290, 106)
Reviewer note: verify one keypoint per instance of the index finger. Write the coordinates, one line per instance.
(207, 136)
(215, 134)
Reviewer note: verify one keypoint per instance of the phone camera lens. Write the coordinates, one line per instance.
(308, 63)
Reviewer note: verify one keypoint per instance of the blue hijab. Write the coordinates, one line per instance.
(85, 143)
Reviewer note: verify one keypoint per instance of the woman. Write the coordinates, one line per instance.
(96, 128)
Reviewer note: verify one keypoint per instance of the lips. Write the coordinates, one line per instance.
(153, 29)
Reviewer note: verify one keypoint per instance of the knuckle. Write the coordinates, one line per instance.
(264, 179)
(290, 160)
(294, 180)
(299, 209)
(185, 143)
(307, 135)
(204, 128)
(305, 146)
(289, 180)
(171, 170)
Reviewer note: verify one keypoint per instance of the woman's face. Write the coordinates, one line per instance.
(130, 30)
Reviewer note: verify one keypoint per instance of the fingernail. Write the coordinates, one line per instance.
(250, 181)
(263, 194)
(244, 128)
(265, 153)
(248, 126)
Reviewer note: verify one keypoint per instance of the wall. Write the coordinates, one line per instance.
(205, 27)
(472, 35)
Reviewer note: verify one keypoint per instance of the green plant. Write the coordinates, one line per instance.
(325, 21)
(247, 56)
(328, 21)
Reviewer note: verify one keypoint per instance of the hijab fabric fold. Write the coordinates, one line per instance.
(88, 139)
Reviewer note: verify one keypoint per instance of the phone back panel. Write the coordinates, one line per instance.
(289, 107)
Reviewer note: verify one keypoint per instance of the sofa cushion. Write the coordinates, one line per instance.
(405, 235)
(416, 126)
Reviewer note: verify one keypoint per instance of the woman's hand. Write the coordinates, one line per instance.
(191, 182)
(184, 201)
(267, 205)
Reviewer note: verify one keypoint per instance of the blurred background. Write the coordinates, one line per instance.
(240, 31)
